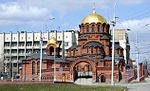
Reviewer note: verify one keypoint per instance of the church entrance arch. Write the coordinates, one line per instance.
(83, 68)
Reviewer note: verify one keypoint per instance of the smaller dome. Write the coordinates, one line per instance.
(53, 41)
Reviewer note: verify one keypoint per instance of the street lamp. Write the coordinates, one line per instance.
(113, 44)
(41, 54)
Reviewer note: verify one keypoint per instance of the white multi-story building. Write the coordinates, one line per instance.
(16, 46)
(121, 38)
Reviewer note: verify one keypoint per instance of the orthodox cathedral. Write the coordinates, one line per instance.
(90, 58)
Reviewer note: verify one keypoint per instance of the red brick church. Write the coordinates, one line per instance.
(90, 58)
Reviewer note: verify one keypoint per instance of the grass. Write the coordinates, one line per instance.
(59, 87)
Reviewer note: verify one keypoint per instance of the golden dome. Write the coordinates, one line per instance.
(53, 41)
(94, 17)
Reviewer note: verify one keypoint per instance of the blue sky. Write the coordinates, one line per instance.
(30, 15)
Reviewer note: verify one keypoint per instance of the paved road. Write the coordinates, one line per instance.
(139, 86)
(145, 86)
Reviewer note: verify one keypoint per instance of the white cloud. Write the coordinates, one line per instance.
(132, 2)
(30, 11)
(136, 25)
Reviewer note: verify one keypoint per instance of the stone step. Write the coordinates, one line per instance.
(83, 80)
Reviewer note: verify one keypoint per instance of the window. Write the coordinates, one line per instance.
(66, 43)
(108, 29)
(21, 57)
(91, 50)
(14, 64)
(98, 28)
(33, 68)
(92, 28)
(37, 51)
(21, 44)
(82, 29)
(38, 65)
(74, 53)
(87, 50)
(44, 51)
(36, 43)
(6, 51)
(14, 50)
(7, 44)
(14, 44)
(87, 28)
(51, 51)
(103, 27)
(69, 53)
(14, 58)
(29, 51)
(96, 50)
(29, 43)
(21, 51)
(44, 43)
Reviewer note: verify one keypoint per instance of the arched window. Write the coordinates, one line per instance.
(70, 53)
(92, 28)
(98, 28)
(51, 51)
(38, 65)
(87, 50)
(74, 53)
(107, 28)
(96, 50)
(82, 29)
(103, 27)
(91, 50)
(33, 68)
(87, 28)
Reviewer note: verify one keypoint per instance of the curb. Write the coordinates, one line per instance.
(126, 89)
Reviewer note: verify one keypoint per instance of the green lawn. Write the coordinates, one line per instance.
(58, 87)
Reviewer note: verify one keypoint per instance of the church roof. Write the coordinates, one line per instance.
(93, 44)
(104, 37)
(117, 46)
(73, 47)
(45, 57)
(90, 58)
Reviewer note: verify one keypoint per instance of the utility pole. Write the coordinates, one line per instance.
(113, 44)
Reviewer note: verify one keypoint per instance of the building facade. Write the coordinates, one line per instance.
(17, 46)
(121, 38)
(90, 58)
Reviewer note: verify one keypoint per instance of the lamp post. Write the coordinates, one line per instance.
(41, 54)
(54, 64)
(113, 45)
